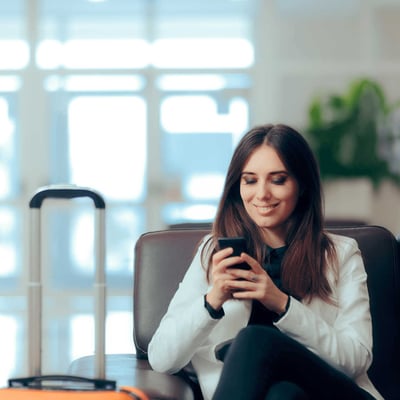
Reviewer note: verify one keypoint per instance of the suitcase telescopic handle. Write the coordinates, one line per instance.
(65, 192)
(35, 280)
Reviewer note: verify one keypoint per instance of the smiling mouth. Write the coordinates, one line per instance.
(264, 209)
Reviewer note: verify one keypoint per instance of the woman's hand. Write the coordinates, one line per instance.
(256, 284)
(222, 277)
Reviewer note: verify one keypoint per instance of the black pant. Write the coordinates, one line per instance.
(264, 364)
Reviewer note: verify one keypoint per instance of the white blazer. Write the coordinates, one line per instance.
(340, 334)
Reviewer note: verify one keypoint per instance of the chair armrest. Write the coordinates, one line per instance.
(127, 370)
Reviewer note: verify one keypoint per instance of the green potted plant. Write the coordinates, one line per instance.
(349, 133)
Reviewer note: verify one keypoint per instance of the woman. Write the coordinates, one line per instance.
(299, 317)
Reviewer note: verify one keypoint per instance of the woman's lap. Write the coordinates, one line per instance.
(262, 356)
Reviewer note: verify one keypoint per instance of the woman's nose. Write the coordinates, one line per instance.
(263, 192)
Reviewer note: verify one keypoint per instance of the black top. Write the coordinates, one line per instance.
(272, 264)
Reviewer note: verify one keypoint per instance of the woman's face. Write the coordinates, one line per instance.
(269, 193)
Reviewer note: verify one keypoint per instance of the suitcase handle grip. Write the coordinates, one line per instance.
(66, 192)
(38, 382)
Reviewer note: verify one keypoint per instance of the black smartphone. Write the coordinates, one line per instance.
(239, 246)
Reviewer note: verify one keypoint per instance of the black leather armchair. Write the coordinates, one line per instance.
(161, 259)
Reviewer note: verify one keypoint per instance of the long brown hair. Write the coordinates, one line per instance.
(309, 248)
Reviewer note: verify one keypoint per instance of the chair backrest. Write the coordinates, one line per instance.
(162, 258)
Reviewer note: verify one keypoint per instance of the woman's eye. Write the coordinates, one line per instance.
(280, 180)
(248, 181)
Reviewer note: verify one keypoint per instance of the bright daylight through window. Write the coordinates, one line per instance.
(141, 100)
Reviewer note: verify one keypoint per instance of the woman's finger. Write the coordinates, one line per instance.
(254, 264)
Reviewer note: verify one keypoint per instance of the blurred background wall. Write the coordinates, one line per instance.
(144, 100)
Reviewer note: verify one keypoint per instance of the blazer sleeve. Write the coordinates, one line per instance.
(339, 333)
(186, 324)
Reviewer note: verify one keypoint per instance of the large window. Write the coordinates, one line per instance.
(196, 124)
(140, 100)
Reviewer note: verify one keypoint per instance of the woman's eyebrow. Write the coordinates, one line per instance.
(278, 172)
(269, 173)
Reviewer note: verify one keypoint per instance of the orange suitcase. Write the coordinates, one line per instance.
(60, 387)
